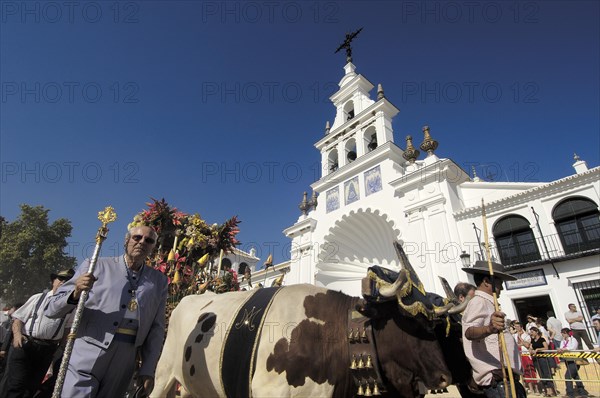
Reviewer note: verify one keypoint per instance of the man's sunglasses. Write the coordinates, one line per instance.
(63, 278)
(148, 240)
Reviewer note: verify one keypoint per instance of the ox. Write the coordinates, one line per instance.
(296, 342)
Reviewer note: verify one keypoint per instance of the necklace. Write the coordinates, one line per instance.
(133, 304)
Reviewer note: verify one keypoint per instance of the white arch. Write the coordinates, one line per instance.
(358, 240)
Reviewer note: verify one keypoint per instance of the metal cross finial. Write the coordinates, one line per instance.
(346, 44)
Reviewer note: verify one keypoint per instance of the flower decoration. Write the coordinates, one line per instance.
(187, 247)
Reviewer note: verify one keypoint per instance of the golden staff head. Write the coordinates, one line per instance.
(105, 216)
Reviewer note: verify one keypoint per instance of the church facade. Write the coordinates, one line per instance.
(373, 192)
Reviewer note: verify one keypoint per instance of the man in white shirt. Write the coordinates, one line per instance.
(570, 344)
(482, 325)
(554, 328)
(35, 338)
(575, 320)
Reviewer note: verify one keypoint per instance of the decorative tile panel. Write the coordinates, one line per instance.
(333, 199)
(373, 180)
(351, 192)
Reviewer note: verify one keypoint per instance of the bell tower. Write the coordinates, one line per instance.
(361, 124)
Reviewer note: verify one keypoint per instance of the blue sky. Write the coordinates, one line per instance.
(215, 106)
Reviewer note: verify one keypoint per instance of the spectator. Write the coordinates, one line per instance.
(596, 315)
(530, 322)
(554, 328)
(569, 344)
(575, 320)
(462, 290)
(596, 324)
(35, 339)
(524, 343)
(542, 364)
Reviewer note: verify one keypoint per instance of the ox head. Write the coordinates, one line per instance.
(404, 318)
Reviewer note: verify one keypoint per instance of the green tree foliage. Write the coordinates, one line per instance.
(30, 250)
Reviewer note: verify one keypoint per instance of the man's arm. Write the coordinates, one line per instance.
(480, 332)
(65, 299)
(18, 338)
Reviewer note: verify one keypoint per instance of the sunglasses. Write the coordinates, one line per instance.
(62, 278)
(148, 240)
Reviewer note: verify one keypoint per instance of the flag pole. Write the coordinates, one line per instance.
(503, 349)
(106, 216)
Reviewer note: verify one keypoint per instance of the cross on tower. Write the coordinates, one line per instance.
(346, 44)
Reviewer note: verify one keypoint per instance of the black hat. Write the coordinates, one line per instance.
(65, 273)
(482, 267)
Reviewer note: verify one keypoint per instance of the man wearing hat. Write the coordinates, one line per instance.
(35, 338)
(481, 325)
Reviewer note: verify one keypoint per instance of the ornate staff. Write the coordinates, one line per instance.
(504, 351)
(106, 216)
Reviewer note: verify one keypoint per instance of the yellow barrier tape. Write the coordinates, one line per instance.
(566, 354)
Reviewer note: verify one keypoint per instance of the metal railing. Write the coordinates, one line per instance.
(583, 369)
(534, 251)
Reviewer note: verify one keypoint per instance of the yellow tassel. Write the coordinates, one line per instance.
(203, 260)
(269, 261)
(176, 278)
(190, 242)
(171, 256)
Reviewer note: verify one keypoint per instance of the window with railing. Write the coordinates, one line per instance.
(577, 221)
(515, 241)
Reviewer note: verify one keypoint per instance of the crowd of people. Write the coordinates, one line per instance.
(122, 328)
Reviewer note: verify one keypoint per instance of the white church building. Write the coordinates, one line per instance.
(373, 192)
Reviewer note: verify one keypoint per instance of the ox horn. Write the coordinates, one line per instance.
(457, 309)
(439, 311)
(390, 290)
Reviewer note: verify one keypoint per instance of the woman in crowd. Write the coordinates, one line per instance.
(539, 344)
(529, 374)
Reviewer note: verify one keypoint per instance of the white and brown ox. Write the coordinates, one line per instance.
(300, 346)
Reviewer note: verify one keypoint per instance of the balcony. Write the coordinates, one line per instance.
(529, 252)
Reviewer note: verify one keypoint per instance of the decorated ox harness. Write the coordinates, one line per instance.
(238, 355)
(364, 361)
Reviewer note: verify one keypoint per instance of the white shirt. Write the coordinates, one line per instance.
(555, 326)
(569, 344)
(37, 325)
(484, 354)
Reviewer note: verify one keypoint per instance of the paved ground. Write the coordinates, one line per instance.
(590, 374)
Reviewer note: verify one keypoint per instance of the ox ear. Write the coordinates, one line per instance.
(366, 310)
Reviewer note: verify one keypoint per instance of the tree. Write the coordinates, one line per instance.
(30, 250)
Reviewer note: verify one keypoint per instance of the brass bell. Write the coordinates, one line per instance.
(368, 391)
(376, 390)
(369, 363)
(357, 335)
(353, 362)
(361, 364)
(364, 335)
(360, 390)
(351, 335)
